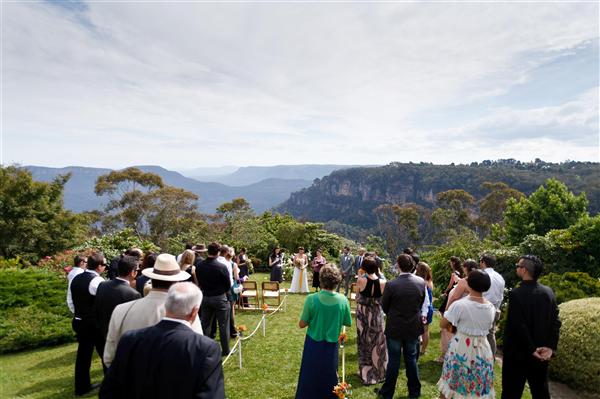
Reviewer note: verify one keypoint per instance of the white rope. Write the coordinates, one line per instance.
(238, 343)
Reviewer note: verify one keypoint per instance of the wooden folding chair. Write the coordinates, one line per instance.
(250, 293)
(270, 290)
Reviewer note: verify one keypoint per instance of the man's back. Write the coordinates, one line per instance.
(213, 277)
(168, 360)
(109, 295)
(402, 301)
(532, 319)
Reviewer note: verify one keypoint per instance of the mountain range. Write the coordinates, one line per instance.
(349, 196)
(264, 188)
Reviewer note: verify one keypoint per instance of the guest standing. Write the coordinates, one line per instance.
(79, 265)
(167, 360)
(141, 281)
(495, 294)
(276, 265)
(402, 302)
(242, 260)
(85, 324)
(468, 370)
(215, 283)
(300, 278)
(531, 334)
(347, 269)
(455, 276)
(115, 292)
(318, 262)
(424, 271)
(324, 313)
(372, 349)
(186, 263)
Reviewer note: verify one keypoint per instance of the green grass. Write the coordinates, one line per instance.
(270, 368)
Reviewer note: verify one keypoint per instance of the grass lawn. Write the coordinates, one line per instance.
(270, 368)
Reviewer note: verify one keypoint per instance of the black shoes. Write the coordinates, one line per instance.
(90, 389)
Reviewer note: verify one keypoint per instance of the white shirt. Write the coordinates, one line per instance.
(95, 282)
(74, 272)
(425, 306)
(470, 317)
(229, 267)
(496, 292)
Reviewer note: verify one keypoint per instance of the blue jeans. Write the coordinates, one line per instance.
(395, 348)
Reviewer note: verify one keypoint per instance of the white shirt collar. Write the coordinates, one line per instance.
(93, 272)
(122, 279)
(184, 322)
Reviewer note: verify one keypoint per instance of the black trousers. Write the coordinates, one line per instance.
(518, 369)
(88, 337)
(216, 307)
(232, 329)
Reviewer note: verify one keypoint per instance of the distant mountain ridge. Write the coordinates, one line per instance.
(349, 196)
(253, 174)
(79, 191)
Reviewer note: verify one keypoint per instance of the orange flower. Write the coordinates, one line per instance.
(265, 306)
(242, 328)
(343, 338)
(342, 390)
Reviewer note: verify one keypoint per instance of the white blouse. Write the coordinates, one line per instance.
(470, 317)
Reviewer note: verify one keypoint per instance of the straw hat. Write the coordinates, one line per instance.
(166, 268)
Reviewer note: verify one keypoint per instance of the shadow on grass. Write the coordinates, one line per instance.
(66, 359)
(49, 385)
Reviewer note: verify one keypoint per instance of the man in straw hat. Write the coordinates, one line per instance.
(168, 360)
(150, 309)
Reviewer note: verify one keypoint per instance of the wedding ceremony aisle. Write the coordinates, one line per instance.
(270, 364)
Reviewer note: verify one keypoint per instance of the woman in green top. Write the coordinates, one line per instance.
(324, 314)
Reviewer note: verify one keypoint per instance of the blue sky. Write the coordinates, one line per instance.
(185, 85)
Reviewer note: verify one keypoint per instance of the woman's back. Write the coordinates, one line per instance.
(471, 317)
(326, 312)
(372, 288)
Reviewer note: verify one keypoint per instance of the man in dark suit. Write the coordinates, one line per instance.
(215, 283)
(402, 303)
(531, 333)
(115, 292)
(83, 288)
(168, 360)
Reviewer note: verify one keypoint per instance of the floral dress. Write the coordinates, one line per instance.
(468, 370)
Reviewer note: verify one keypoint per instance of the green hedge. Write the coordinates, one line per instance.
(33, 309)
(577, 362)
(572, 285)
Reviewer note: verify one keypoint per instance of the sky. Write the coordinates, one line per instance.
(204, 84)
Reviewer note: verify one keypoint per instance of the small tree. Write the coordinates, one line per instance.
(550, 207)
(33, 222)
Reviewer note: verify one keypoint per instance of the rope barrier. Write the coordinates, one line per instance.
(237, 347)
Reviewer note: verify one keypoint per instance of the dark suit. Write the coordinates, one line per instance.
(109, 295)
(401, 302)
(167, 360)
(532, 321)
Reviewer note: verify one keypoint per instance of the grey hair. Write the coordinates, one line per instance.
(182, 298)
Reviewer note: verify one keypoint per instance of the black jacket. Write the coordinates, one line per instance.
(532, 319)
(401, 302)
(108, 296)
(167, 360)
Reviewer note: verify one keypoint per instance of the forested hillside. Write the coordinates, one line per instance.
(349, 196)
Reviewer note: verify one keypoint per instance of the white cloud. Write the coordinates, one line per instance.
(279, 83)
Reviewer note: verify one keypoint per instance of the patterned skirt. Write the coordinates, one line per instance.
(468, 370)
(372, 349)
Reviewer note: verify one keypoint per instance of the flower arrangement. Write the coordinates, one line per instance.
(241, 328)
(343, 338)
(265, 307)
(343, 390)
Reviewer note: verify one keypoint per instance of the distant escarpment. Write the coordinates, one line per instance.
(350, 195)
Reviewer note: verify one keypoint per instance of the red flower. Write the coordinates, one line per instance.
(468, 341)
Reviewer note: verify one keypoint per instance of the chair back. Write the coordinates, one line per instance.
(270, 286)
(250, 285)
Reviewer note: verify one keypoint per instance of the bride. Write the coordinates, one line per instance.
(300, 277)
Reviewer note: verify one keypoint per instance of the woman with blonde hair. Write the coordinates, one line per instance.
(186, 263)
(424, 271)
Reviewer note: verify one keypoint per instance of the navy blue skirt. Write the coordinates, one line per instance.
(318, 371)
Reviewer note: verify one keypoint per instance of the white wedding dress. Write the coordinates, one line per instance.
(300, 277)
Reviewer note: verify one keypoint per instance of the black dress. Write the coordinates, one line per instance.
(276, 268)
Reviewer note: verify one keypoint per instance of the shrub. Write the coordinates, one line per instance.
(577, 361)
(33, 311)
(112, 245)
(572, 285)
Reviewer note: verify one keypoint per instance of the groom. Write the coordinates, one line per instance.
(347, 269)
